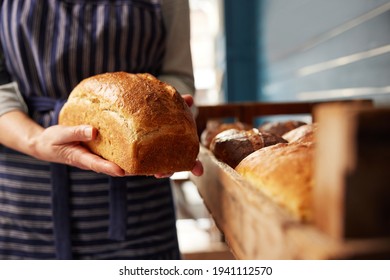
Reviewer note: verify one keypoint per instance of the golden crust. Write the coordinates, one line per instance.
(144, 125)
(284, 172)
(304, 133)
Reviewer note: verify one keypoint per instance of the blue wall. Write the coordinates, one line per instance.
(243, 50)
(284, 50)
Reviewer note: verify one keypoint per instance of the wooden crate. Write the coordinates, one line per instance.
(256, 228)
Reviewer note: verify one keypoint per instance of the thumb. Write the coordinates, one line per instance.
(67, 134)
(188, 99)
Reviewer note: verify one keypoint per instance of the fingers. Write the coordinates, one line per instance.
(68, 134)
(95, 163)
(160, 176)
(197, 170)
(84, 159)
(188, 99)
(62, 144)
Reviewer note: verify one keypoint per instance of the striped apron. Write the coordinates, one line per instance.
(49, 47)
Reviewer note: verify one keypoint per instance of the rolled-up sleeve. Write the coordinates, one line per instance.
(10, 97)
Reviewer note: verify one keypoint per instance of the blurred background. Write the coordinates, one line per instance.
(280, 50)
(287, 50)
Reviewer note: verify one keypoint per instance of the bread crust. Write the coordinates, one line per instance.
(214, 128)
(304, 133)
(284, 172)
(281, 127)
(144, 125)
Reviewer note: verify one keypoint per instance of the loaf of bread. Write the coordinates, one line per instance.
(280, 127)
(284, 172)
(215, 127)
(232, 145)
(144, 125)
(304, 133)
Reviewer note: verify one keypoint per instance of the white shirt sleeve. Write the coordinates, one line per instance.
(177, 67)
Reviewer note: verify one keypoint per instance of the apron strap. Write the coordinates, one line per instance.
(118, 208)
(61, 212)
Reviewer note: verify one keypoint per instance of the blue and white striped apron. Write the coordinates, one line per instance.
(49, 47)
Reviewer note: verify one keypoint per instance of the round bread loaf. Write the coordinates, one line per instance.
(144, 125)
(214, 127)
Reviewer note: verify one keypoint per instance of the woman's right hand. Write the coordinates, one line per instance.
(63, 144)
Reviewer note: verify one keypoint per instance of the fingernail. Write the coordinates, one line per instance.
(88, 132)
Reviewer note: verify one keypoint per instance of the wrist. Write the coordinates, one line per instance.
(31, 142)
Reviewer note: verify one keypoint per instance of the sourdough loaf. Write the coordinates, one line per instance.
(304, 133)
(284, 172)
(144, 125)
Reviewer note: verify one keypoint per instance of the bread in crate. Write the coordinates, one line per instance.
(280, 127)
(215, 127)
(284, 172)
(233, 145)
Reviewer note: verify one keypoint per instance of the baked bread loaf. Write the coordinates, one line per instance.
(304, 133)
(214, 127)
(144, 125)
(280, 128)
(232, 145)
(285, 173)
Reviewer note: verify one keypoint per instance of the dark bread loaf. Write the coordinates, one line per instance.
(233, 145)
(215, 127)
(144, 125)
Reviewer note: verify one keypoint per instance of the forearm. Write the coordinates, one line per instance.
(19, 132)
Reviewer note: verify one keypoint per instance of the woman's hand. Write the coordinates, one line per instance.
(188, 99)
(62, 144)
